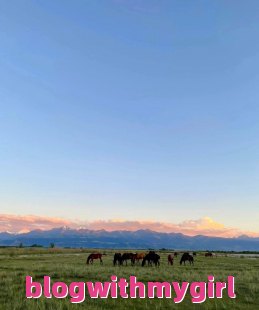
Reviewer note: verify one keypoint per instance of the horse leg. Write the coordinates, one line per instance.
(101, 261)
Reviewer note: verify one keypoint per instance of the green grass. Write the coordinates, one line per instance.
(68, 265)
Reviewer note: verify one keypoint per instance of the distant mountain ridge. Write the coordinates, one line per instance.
(140, 239)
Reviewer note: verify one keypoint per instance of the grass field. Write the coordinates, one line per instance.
(69, 265)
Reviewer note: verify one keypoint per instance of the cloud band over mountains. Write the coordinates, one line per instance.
(204, 226)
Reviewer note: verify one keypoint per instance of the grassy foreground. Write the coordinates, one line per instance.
(68, 265)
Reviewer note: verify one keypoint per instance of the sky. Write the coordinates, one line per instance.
(126, 111)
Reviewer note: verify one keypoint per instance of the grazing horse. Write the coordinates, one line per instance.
(138, 256)
(117, 259)
(208, 254)
(186, 257)
(175, 254)
(151, 257)
(194, 253)
(170, 259)
(93, 256)
(126, 256)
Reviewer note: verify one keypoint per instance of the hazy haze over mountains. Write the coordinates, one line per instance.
(140, 239)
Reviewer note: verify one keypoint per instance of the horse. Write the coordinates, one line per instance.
(175, 254)
(117, 259)
(138, 256)
(151, 257)
(194, 253)
(170, 259)
(186, 257)
(126, 256)
(93, 256)
(208, 254)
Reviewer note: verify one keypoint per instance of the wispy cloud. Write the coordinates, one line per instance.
(205, 226)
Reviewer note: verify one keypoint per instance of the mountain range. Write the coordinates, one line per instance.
(140, 239)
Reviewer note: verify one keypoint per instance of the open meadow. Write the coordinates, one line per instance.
(69, 265)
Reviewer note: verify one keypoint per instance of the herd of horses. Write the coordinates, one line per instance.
(149, 258)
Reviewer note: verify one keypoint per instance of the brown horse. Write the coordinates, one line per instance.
(170, 259)
(175, 254)
(93, 256)
(138, 256)
(208, 254)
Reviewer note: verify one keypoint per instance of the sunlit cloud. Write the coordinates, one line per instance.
(204, 226)
(25, 223)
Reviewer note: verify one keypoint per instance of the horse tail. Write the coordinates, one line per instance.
(88, 259)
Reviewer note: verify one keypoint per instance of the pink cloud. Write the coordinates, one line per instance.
(204, 226)
(25, 223)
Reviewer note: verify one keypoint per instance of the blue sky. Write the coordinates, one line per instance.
(141, 110)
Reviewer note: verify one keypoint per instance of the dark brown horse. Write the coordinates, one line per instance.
(208, 254)
(93, 256)
(186, 257)
(117, 259)
(126, 256)
(151, 257)
(170, 259)
(175, 254)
